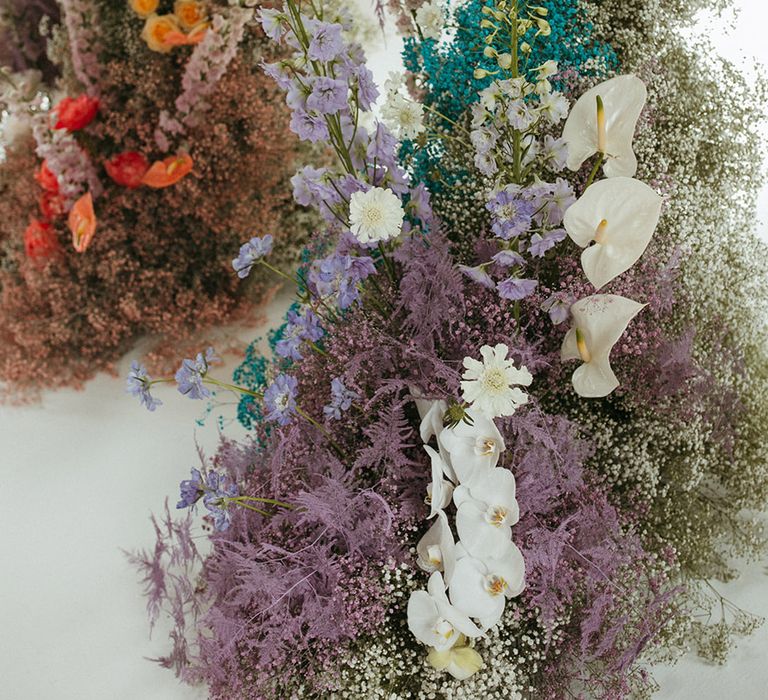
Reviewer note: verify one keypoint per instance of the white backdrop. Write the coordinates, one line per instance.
(81, 473)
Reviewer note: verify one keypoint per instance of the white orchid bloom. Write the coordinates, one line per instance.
(436, 550)
(487, 509)
(620, 215)
(472, 449)
(439, 491)
(489, 386)
(431, 414)
(434, 621)
(598, 322)
(461, 660)
(480, 587)
(603, 121)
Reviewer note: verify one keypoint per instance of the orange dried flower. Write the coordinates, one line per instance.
(164, 173)
(157, 30)
(82, 222)
(189, 13)
(144, 8)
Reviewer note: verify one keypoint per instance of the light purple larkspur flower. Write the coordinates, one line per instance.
(139, 384)
(508, 258)
(515, 289)
(510, 215)
(189, 377)
(483, 139)
(191, 490)
(478, 274)
(382, 146)
(367, 92)
(308, 188)
(308, 127)
(539, 245)
(272, 24)
(280, 399)
(250, 253)
(486, 164)
(561, 197)
(219, 488)
(326, 42)
(302, 325)
(420, 204)
(558, 308)
(279, 73)
(341, 399)
(338, 276)
(328, 96)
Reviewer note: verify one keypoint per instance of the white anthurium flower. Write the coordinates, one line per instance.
(619, 215)
(436, 550)
(480, 587)
(598, 323)
(487, 509)
(472, 449)
(439, 491)
(489, 386)
(461, 660)
(434, 621)
(603, 121)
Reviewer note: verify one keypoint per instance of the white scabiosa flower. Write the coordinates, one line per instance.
(603, 121)
(430, 18)
(375, 215)
(620, 215)
(598, 323)
(489, 386)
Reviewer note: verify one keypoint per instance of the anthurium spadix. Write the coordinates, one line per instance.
(603, 121)
(598, 322)
(613, 221)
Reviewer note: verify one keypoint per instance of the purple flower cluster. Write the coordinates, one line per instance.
(189, 377)
(341, 399)
(303, 325)
(337, 277)
(511, 215)
(215, 490)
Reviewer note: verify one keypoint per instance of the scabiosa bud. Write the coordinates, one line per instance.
(250, 253)
(139, 384)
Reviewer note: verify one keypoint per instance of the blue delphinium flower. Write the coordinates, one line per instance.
(341, 399)
(189, 376)
(510, 214)
(280, 399)
(540, 245)
(308, 127)
(250, 253)
(515, 289)
(139, 384)
(302, 325)
(218, 488)
(191, 490)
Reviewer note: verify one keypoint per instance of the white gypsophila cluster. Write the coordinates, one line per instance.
(402, 116)
(470, 579)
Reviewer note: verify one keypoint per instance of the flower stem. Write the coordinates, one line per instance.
(595, 168)
(322, 429)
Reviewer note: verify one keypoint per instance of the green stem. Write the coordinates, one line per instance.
(317, 425)
(600, 160)
(259, 499)
(232, 387)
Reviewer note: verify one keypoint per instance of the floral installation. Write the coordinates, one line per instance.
(474, 451)
(127, 179)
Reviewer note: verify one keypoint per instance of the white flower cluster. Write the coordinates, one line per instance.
(613, 221)
(430, 18)
(506, 120)
(470, 579)
(404, 117)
